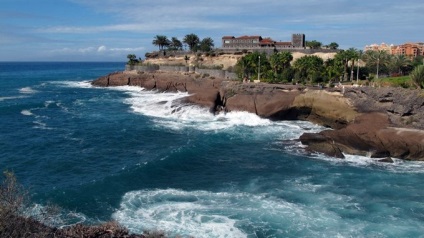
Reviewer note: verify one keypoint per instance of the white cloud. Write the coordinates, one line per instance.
(96, 50)
(101, 48)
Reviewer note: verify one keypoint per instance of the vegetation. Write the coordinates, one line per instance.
(175, 44)
(14, 221)
(132, 59)
(313, 44)
(417, 76)
(191, 40)
(161, 41)
(401, 81)
(349, 65)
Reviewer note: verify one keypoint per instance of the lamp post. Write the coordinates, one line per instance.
(259, 68)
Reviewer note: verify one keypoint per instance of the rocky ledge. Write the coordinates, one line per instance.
(375, 122)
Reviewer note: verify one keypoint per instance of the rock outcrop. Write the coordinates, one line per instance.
(379, 123)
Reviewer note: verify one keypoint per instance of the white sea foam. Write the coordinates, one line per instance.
(26, 113)
(182, 213)
(11, 98)
(74, 84)
(223, 214)
(398, 165)
(54, 218)
(167, 111)
(27, 90)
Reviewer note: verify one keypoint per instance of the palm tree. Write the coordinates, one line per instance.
(309, 66)
(397, 62)
(376, 58)
(176, 44)
(333, 69)
(160, 41)
(206, 44)
(353, 56)
(242, 67)
(343, 58)
(280, 61)
(417, 76)
(333, 46)
(191, 40)
(360, 53)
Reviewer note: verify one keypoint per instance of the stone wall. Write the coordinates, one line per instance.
(144, 68)
(217, 73)
(172, 68)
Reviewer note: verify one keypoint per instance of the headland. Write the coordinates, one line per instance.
(374, 122)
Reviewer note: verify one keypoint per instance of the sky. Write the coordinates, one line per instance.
(109, 30)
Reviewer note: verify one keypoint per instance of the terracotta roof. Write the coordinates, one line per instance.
(283, 43)
(227, 37)
(248, 37)
(267, 41)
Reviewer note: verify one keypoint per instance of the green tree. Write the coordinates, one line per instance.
(253, 65)
(242, 67)
(417, 76)
(398, 64)
(333, 69)
(175, 44)
(333, 46)
(344, 57)
(309, 67)
(206, 44)
(192, 40)
(375, 60)
(132, 59)
(161, 41)
(313, 44)
(279, 62)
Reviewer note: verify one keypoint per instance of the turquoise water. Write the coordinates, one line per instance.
(149, 162)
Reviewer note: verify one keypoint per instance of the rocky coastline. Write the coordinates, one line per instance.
(374, 122)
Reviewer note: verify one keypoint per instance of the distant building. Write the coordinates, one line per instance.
(257, 42)
(408, 49)
(382, 47)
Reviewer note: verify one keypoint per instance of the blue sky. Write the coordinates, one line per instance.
(108, 30)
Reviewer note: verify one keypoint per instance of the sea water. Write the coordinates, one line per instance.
(151, 163)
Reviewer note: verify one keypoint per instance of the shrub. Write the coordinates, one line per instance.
(417, 76)
(14, 222)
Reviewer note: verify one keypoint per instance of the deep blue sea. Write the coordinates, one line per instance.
(145, 160)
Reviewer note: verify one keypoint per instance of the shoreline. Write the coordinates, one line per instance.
(379, 123)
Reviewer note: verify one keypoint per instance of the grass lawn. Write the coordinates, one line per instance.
(403, 81)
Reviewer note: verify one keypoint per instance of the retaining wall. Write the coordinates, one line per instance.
(217, 73)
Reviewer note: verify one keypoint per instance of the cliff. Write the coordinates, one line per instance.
(365, 121)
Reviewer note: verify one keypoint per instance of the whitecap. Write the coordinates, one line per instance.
(26, 113)
(74, 84)
(27, 90)
(56, 218)
(398, 165)
(178, 212)
(11, 98)
(236, 214)
(166, 110)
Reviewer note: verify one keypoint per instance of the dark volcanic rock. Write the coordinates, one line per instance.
(405, 107)
(370, 135)
(322, 144)
(374, 122)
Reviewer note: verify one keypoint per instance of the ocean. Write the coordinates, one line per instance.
(143, 159)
